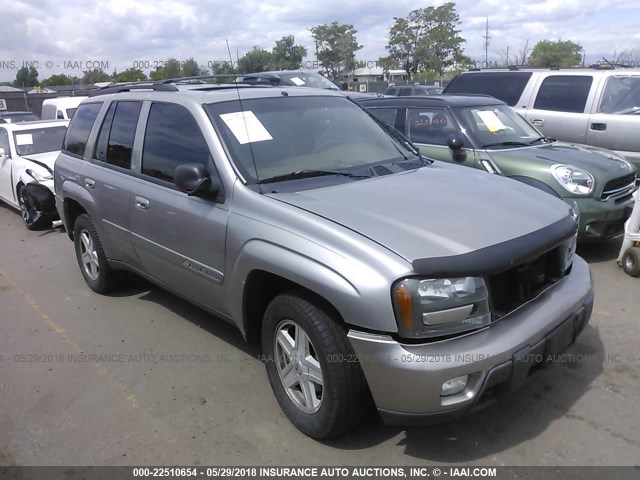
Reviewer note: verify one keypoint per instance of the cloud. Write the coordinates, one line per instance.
(121, 32)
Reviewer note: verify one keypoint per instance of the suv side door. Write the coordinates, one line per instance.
(179, 240)
(560, 106)
(108, 176)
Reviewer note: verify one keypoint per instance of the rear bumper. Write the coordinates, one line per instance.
(406, 380)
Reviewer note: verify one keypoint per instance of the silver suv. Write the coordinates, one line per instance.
(367, 272)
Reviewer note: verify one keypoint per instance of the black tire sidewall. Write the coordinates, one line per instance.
(634, 253)
(101, 284)
(326, 421)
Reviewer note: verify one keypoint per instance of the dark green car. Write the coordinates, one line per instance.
(485, 133)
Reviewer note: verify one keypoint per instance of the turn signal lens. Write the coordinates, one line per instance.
(403, 296)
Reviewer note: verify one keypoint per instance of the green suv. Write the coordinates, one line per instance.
(485, 133)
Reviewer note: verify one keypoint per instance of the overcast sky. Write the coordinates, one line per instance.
(122, 32)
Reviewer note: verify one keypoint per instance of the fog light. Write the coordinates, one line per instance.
(454, 385)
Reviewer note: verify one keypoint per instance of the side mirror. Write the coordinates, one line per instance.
(194, 180)
(2, 152)
(455, 142)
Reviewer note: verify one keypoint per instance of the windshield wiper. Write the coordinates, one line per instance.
(542, 139)
(308, 174)
(506, 144)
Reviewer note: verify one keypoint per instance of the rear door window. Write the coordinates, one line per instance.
(80, 127)
(564, 93)
(621, 95)
(115, 141)
(385, 115)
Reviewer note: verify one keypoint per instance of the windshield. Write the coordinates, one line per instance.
(269, 137)
(39, 140)
(309, 79)
(20, 117)
(496, 126)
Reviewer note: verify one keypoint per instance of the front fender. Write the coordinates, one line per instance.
(355, 296)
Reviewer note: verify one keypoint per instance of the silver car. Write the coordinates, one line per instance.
(370, 274)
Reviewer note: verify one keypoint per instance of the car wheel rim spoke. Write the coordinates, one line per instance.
(298, 366)
(89, 256)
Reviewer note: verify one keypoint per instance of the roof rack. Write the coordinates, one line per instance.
(127, 87)
(200, 78)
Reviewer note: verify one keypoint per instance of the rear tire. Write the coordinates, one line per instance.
(91, 258)
(312, 368)
(33, 218)
(631, 261)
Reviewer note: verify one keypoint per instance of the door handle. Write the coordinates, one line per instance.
(537, 122)
(599, 126)
(89, 183)
(142, 203)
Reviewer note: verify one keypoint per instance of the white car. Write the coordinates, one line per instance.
(60, 108)
(28, 152)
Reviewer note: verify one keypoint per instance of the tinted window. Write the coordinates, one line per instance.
(172, 138)
(564, 93)
(385, 115)
(429, 125)
(80, 127)
(506, 86)
(420, 91)
(119, 127)
(621, 95)
(404, 92)
(391, 91)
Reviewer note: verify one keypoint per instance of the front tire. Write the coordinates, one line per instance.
(312, 368)
(33, 218)
(91, 258)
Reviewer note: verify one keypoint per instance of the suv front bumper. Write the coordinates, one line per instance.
(406, 380)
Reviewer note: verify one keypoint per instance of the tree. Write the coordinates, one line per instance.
(427, 39)
(548, 53)
(336, 47)
(94, 76)
(190, 68)
(26, 77)
(170, 69)
(129, 75)
(286, 55)
(57, 80)
(256, 60)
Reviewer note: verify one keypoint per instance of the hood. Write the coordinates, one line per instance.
(438, 210)
(597, 161)
(45, 160)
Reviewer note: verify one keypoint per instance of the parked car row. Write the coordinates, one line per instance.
(308, 219)
(596, 107)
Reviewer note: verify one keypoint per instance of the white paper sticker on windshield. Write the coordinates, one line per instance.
(491, 120)
(24, 139)
(246, 127)
(298, 81)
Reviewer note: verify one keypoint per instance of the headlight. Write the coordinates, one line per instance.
(435, 307)
(37, 177)
(573, 179)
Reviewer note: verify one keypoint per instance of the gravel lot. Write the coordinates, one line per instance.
(142, 377)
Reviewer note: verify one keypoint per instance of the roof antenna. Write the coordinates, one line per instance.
(253, 158)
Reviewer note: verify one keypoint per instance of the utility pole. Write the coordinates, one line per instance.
(486, 44)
